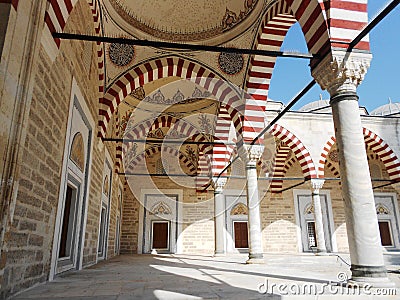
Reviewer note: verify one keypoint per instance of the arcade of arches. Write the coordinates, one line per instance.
(110, 149)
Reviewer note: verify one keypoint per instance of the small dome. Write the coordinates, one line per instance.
(387, 109)
(319, 105)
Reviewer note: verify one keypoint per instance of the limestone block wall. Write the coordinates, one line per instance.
(198, 223)
(27, 248)
(197, 234)
(130, 222)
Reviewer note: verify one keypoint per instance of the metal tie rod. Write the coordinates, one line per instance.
(359, 37)
(178, 46)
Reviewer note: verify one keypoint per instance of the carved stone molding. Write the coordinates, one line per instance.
(251, 154)
(317, 183)
(218, 184)
(341, 71)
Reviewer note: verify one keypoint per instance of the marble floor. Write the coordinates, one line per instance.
(204, 277)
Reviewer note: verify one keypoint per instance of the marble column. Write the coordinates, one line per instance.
(340, 74)
(251, 157)
(219, 216)
(316, 185)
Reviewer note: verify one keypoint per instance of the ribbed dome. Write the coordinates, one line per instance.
(320, 105)
(387, 109)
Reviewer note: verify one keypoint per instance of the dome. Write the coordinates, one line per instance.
(185, 20)
(387, 109)
(319, 105)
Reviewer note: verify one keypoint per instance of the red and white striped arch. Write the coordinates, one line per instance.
(386, 154)
(167, 67)
(345, 20)
(333, 169)
(221, 153)
(56, 18)
(324, 154)
(299, 150)
(377, 145)
(183, 127)
(279, 18)
(312, 20)
(141, 158)
(279, 167)
(277, 22)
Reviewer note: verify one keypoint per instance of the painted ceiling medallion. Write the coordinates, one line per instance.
(230, 63)
(183, 20)
(121, 55)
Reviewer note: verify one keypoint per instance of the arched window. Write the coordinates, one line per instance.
(106, 186)
(77, 154)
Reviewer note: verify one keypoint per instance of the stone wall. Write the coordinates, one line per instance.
(28, 242)
(130, 222)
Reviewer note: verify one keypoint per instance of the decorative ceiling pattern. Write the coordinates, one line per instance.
(121, 55)
(230, 63)
(178, 98)
(183, 20)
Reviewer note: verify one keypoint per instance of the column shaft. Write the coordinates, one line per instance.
(254, 221)
(319, 224)
(361, 219)
(219, 221)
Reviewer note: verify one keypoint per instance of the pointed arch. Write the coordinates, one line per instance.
(181, 126)
(166, 67)
(272, 32)
(298, 148)
(324, 154)
(386, 154)
(140, 158)
(377, 145)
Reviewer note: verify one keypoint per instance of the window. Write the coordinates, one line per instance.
(312, 241)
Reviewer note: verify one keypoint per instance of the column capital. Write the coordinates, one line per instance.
(317, 183)
(250, 154)
(218, 184)
(341, 71)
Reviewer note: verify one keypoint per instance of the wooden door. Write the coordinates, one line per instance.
(385, 234)
(241, 235)
(160, 235)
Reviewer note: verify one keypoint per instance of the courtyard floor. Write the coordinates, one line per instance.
(204, 277)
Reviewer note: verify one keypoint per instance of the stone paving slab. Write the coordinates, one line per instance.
(202, 277)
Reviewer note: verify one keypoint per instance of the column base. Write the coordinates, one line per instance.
(321, 253)
(219, 253)
(375, 276)
(256, 258)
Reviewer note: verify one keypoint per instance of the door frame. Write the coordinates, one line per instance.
(76, 100)
(232, 198)
(393, 218)
(176, 245)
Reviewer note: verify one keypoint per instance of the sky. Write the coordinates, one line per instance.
(381, 81)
